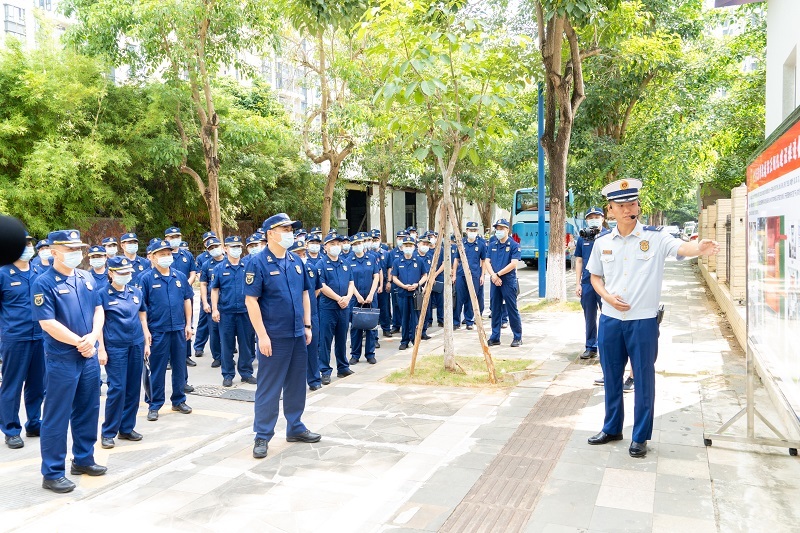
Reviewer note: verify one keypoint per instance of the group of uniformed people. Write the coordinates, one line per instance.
(282, 295)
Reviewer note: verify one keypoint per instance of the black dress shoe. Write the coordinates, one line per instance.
(133, 435)
(260, 448)
(306, 436)
(425, 337)
(182, 408)
(469, 326)
(394, 330)
(371, 360)
(312, 388)
(516, 342)
(250, 380)
(61, 485)
(638, 449)
(344, 373)
(227, 382)
(404, 346)
(198, 354)
(490, 342)
(456, 326)
(188, 388)
(604, 438)
(32, 433)
(190, 362)
(387, 333)
(377, 345)
(107, 443)
(440, 324)
(14, 442)
(353, 360)
(89, 470)
(588, 354)
(325, 379)
(216, 363)
(152, 415)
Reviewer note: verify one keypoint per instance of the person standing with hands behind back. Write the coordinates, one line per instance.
(627, 268)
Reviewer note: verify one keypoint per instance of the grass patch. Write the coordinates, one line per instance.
(472, 372)
(552, 307)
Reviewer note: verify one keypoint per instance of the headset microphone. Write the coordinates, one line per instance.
(633, 217)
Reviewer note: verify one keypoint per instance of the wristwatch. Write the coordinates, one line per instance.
(308, 326)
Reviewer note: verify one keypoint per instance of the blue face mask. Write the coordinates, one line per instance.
(612, 224)
(594, 223)
(27, 254)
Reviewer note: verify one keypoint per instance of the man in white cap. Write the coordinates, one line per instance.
(627, 268)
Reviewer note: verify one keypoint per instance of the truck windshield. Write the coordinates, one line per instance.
(528, 201)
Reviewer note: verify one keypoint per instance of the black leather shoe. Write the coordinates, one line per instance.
(344, 373)
(89, 470)
(188, 388)
(588, 354)
(34, 433)
(182, 408)
(404, 346)
(516, 342)
(14, 442)
(456, 326)
(469, 326)
(306, 436)
(216, 363)
(371, 360)
(387, 333)
(107, 443)
(325, 379)
(425, 337)
(440, 324)
(260, 448)
(394, 330)
(603, 438)
(61, 485)
(313, 388)
(490, 342)
(227, 382)
(377, 345)
(353, 361)
(190, 362)
(638, 449)
(198, 354)
(152, 415)
(134, 436)
(250, 380)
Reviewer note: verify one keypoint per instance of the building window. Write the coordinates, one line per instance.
(46, 5)
(411, 209)
(278, 75)
(266, 70)
(15, 19)
(790, 84)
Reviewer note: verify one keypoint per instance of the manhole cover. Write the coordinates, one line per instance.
(241, 395)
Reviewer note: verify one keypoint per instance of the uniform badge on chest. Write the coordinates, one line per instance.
(136, 299)
(178, 283)
(297, 267)
(249, 278)
(184, 259)
(508, 248)
(476, 248)
(644, 245)
(344, 268)
(89, 286)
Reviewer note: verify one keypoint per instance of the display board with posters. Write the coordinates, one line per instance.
(773, 265)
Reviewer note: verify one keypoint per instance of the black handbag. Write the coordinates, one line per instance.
(365, 317)
(438, 287)
(418, 297)
(146, 380)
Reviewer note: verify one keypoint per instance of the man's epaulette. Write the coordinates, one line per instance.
(653, 228)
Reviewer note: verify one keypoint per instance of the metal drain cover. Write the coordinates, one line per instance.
(225, 393)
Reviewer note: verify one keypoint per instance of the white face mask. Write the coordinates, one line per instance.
(175, 243)
(287, 240)
(313, 248)
(165, 262)
(72, 259)
(346, 248)
(45, 255)
(216, 252)
(335, 250)
(27, 254)
(413, 235)
(122, 280)
(97, 262)
(132, 248)
(358, 249)
(111, 251)
(399, 243)
(423, 249)
(433, 241)
(408, 252)
(501, 234)
(594, 223)
(235, 252)
(472, 235)
(254, 250)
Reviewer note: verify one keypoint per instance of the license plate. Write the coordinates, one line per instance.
(536, 255)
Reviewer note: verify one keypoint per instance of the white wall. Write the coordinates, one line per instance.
(783, 51)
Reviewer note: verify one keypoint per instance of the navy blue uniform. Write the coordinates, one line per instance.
(476, 253)
(437, 298)
(590, 300)
(365, 269)
(123, 339)
(408, 271)
(164, 297)
(203, 318)
(384, 298)
(140, 266)
(279, 284)
(333, 320)
(395, 254)
(101, 279)
(22, 352)
(315, 283)
(500, 255)
(72, 381)
(234, 324)
(212, 328)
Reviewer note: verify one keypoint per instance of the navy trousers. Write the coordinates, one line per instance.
(507, 293)
(590, 302)
(167, 346)
(385, 305)
(409, 316)
(23, 365)
(333, 324)
(357, 340)
(463, 302)
(201, 333)
(235, 327)
(284, 371)
(124, 371)
(436, 302)
(73, 399)
(619, 341)
(397, 321)
(312, 371)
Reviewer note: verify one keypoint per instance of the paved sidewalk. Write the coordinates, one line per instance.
(412, 458)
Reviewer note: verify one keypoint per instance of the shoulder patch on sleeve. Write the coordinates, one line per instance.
(38, 299)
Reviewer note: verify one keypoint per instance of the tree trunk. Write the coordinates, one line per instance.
(327, 198)
(556, 258)
(449, 348)
(208, 138)
(382, 207)
(433, 205)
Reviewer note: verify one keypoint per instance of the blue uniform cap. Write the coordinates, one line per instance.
(432, 234)
(96, 250)
(212, 242)
(316, 229)
(281, 219)
(314, 238)
(410, 229)
(409, 239)
(209, 234)
(158, 245)
(594, 210)
(358, 237)
(622, 191)
(233, 241)
(128, 237)
(300, 232)
(120, 264)
(172, 230)
(42, 243)
(401, 233)
(332, 236)
(472, 225)
(66, 237)
(184, 244)
(376, 231)
(253, 239)
(500, 222)
(108, 240)
(154, 240)
(425, 238)
(297, 246)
